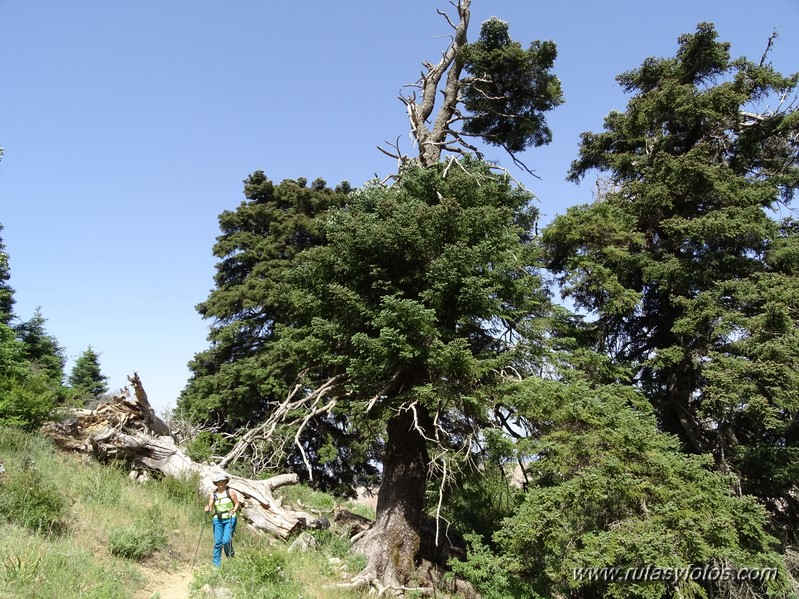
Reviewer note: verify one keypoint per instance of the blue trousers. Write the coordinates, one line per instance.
(223, 538)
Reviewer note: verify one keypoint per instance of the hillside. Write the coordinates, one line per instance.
(72, 527)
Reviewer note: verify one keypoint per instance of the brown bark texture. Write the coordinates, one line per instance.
(392, 543)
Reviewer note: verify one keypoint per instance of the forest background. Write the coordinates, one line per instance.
(409, 326)
(130, 127)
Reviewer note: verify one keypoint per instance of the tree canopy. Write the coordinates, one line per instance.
(690, 274)
(41, 348)
(409, 325)
(491, 90)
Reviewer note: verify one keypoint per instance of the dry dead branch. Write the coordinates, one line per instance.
(126, 428)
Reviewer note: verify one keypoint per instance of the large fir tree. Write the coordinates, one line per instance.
(375, 330)
(415, 303)
(691, 277)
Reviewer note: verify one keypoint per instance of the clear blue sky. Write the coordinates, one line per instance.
(129, 125)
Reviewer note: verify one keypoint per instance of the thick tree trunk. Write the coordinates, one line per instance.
(393, 541)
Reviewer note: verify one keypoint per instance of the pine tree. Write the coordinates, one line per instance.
(6, 292)
(41, 348)
(412, 306)
(366, 340)
(86, 378)
(607, 492)
(691, 279)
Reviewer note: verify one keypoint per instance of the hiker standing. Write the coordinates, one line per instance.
(224, 503)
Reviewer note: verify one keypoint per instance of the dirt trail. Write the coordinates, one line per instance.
(165, 584)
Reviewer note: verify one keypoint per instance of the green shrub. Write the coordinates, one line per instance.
(306, 497)
(30, 501)
(257, 575)
(142, 539)
(493, 575)
(182, 490)
(265, 568)
(27, 401)
(136, 543)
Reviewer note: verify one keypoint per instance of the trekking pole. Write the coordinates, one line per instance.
(202, 528)
(232, 530)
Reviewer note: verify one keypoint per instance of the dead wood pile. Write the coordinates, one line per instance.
(126, 428)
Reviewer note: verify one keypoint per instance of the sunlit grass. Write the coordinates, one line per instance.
(102, 504)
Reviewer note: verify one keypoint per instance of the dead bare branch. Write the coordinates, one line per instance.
(265, 431)
(122, 429)
(769, 45)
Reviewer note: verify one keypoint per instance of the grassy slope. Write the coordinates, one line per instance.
(71, 555)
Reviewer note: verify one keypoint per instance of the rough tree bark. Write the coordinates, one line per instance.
(432, 140)
(392, 542)
(126, 428)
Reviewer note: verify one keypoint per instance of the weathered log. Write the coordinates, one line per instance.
(262, 509)
(154, 423)
(126, 428)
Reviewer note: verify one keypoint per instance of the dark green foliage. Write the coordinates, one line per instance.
(42, 349)
(239, 379)
(691, 279)
(415, 285)
(417, 295)
(31, 501)
(27, 393)
(607, 489)
(509, 89)
(414, 292)
(493, 574)
(12, 361)
(751, 376)
(483, 498)
(86, 379)
(6, 292)
(232, 381)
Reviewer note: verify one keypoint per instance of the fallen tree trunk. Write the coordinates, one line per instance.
(126, 428)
